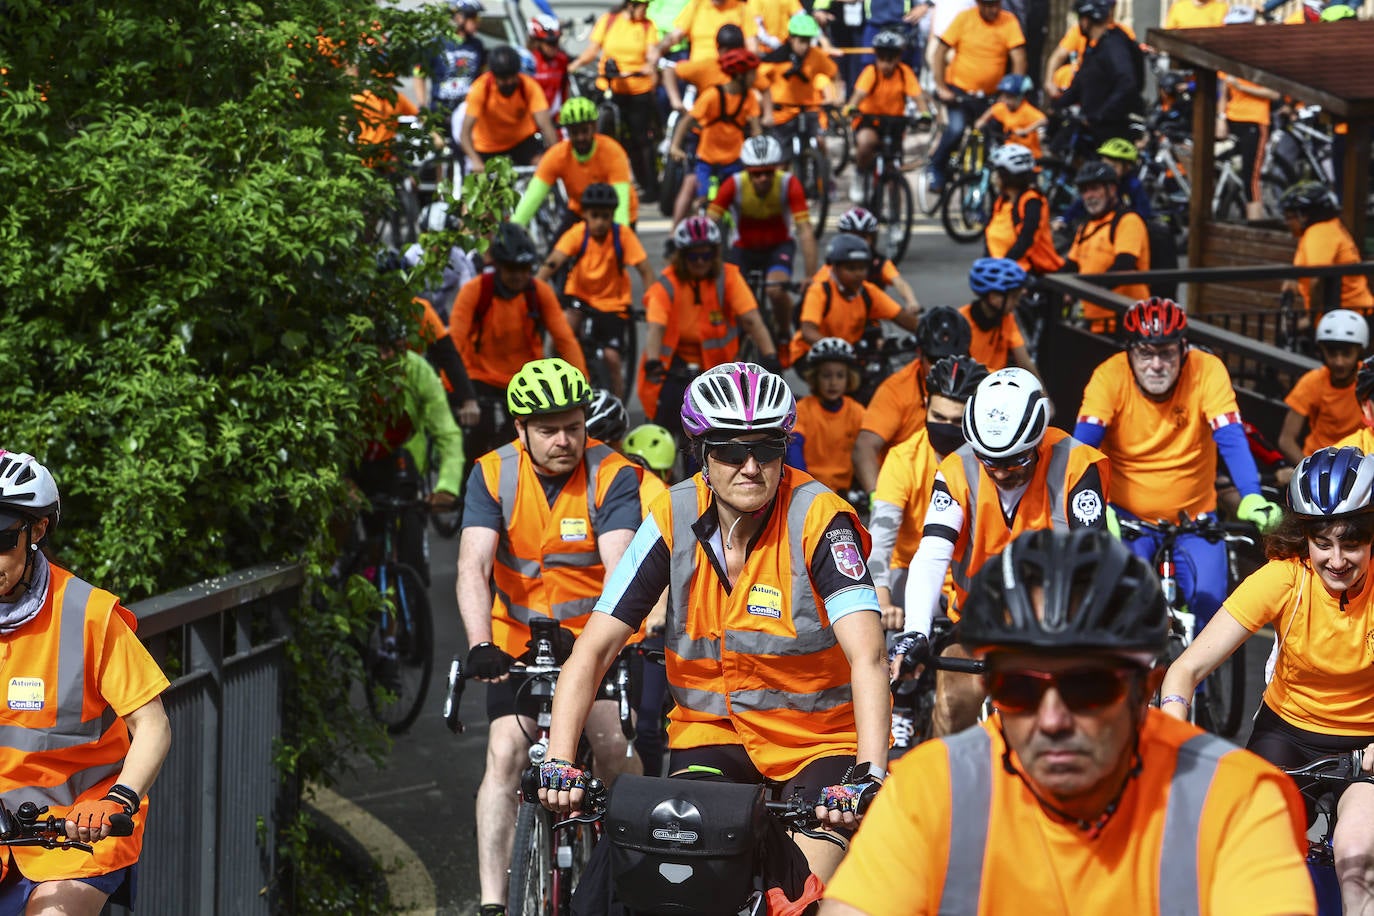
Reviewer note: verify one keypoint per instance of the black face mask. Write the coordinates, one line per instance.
(507, 91)
(945, 437)
(985, 316)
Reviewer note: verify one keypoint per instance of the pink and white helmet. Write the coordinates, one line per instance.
(738, 398)
(696, 230)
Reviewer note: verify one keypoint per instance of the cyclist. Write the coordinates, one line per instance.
(505, 113)
(897, 409)
(1112, 239)
(1020, 121)
(1325, 398)
(770, 217)
(1315, 592)
(551, 63)
(884, 89)
(728, 115)
(1022, 813)
(1109, 85)
(85, 730)
(775, 650)
(1162, 413)
(599, 253)
(881, 271)
(997, 341)
(456, 61)
(1121, 154)
(845, 304)
(583, 159)
(1066, 55)
(499, 321)
(700, 23)
(797, 75)
(1014, 474)
(1312, 213)
(982, 41)
(828, 420)
(695, 312)
(626, 41)
(903, 491)
(546, 518)
(1020, 225)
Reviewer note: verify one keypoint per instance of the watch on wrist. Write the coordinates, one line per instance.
(865, 772)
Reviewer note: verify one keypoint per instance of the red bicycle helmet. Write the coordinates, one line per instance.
(738, 60)
(1155, 320)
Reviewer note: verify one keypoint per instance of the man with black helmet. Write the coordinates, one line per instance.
(1112, 239)
(1075, 796)
(1107, 86)
(506, 114)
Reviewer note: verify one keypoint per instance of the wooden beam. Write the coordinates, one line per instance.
(1203, 175)
(1355, 181)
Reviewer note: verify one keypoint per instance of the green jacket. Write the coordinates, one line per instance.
(426, 404)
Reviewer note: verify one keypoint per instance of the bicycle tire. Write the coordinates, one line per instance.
(1231, 207)
(629, 357)
(927, 199)
(967, 208)
(401, 661)
(530, 891)
(895, 209)
(840, 151)
(668, 186)
(814, 171)
(1221, 701)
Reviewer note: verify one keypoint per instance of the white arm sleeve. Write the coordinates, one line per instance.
(926, 577)
(883, 525)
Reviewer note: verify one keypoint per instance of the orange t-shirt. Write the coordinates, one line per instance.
(627, 42)
(1096, 245)
(502, 122)
(703, 73)
(773, 15)
(897, 410)
(828, 439)
(597, 277)
(1251, 842)
(702, 19)
(723, 129)
(845, 318)
(981, 49)
(1332, 413)
(1324, 676)
(992, 347)
(889, 272)
(1185, 14)
(1245, 107)
(607, 163)
(1019, 119)
(1327, 243)
(887, 95)
(790, 92)
(1163, 456)
(377, 124)
(507, 338)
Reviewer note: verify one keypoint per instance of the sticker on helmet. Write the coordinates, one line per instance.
(848, 560)
(1087, 507)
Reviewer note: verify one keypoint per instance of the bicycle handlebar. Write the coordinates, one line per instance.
(1346, 767)
(1207, 527)
(921, 653)
(28, 827)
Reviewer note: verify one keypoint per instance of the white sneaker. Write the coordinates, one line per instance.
(856, 192)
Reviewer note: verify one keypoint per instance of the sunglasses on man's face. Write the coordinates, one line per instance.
(1081, 689)
(9, 538)
(736, 453)
(1010, 462)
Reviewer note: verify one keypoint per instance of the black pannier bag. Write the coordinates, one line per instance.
(684, 847)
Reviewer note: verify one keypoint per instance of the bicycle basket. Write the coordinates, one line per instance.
(683, 847)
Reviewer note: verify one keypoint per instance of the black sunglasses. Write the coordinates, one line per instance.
(1081, 689)
(736, 453)
(9, 538)
(700, 256)
(1010, 462)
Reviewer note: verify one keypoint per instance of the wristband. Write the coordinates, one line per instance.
(1175, 698)
(126, 797)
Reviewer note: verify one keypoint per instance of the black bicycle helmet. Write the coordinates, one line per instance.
(1095, 173)
(504, 61)
(1095, 595)
(955, 377)
(600, 195)
(943, 331)
(1332, 481)
(1096, 10)
(729, 36)
(1312, 199)
(1364, 381)
(847, 249)
(889, 41)
(606, 417)
(512, 245)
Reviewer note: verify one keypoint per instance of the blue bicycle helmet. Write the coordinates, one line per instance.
(1015, 84)
(1331, 482)
(995, 275)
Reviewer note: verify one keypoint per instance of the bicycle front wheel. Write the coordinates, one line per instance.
(814, 171)
(400, 650)
(967, 208)
(530, 892)
(896, 213)
(1221, 700)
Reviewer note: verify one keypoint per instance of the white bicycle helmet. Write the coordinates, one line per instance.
(606, 417)
(738, 398)
(858, 220)
(27, 490)
(832, 349)
(761, 151)
(1345, 327)
(1007, 414)
(1014, 159)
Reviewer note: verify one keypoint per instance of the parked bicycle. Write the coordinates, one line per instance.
(1318, 780)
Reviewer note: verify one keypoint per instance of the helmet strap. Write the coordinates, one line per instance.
(30, 566)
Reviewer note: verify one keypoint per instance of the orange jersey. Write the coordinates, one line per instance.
(887, 95)
(494, 346)
(905, 480)
(702, 74)
(1332, 413)
(702, 19)
(836, 315)
(1326, 243)
(981, 49)
(897, 410)
(1324, 676)
(503, 122)
(1244, 829)
(598, 276)
(1003, 229)
(991, 348)
(828, 439)
(1246, 106)
(607, 163)
(1096, 245)
(724, 120)
(1019, 118)
(378, 123)
(802, 87)
(1163, 458)
(627, 42)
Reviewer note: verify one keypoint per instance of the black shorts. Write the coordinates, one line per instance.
(734, 764)
(1285, 745)
(608, 329)
(768, 260)
(522, 153)
(511, 696)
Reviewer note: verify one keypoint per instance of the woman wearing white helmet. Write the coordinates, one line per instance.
(775, 647)
(1014, 473)
(77, 670)
(1019, 228)
(1324, 399)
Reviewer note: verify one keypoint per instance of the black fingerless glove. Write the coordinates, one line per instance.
(655, 372)
(487, 661)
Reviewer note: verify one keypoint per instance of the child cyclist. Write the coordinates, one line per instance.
(1020, 120)
(727, 114)
(1324, 399)
(881, 271)
(828, 420)
(1020, 225)
(600, 251)
(997, 339)
(844, 304)
(1313, 216)
(883, 89)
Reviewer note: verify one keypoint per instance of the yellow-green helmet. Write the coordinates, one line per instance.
(545, 386)
(803, 26)
(1119, 148)
(654, 444)
(577, 110)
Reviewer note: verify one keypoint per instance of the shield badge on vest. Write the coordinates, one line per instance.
(848, 560)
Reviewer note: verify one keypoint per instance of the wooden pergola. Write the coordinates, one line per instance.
(1328, 64)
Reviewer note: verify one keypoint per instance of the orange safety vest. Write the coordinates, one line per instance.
(717, 326)
(547, 563)
(60, 742)
(757, 665)
(1041, 257)
(1044, 505)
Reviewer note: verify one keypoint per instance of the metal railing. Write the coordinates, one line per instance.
(210, 842)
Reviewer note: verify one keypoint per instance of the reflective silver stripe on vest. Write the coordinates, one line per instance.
(530, 569)
(562, 610)
(508, 485)
(973, 476)
(970, 776)
(68, 729)
(1178, 878)
(718, 343)
(507, 480)
(1055, 482)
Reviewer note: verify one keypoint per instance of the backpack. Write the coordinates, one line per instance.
(615, 242)
(732, 119)
(486, 293)
(1163, 251)
(863, 292)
